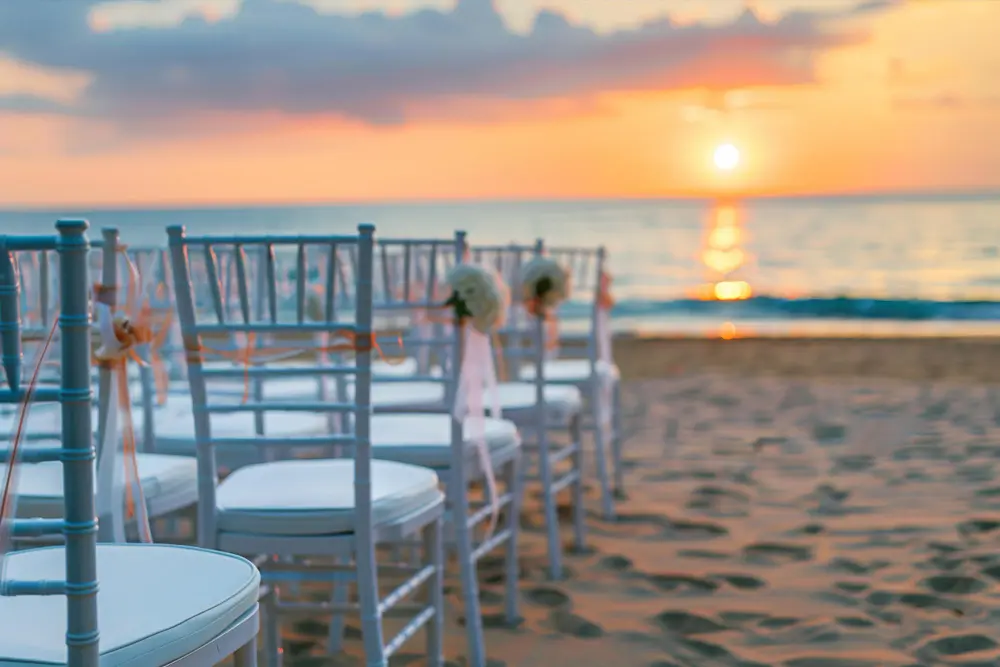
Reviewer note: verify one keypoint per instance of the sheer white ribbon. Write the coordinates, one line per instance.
(477, 378)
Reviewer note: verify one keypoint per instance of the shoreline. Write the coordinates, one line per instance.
(972, 359)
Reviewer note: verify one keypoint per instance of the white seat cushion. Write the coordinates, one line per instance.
(425, 440)
(42, 418)
(395, 367)
(175, 421)
(156, 604)
(570, 370)
(305, 388)
(561, 401)
(316, 497)
(383, 393)
(40, 485)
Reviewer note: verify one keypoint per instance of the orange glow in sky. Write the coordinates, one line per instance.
(912, 104)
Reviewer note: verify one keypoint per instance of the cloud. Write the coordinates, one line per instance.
(281, 56)
(24, 103)
(944, 101)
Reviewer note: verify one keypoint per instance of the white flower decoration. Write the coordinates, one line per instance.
(544, 283)
(477, 294)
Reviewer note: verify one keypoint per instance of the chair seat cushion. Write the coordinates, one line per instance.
(571, 370)
(156, 604)
(561, 400)
(175, 421)
(425, 440)
(316, 497)
(43, 418)
(394, 368)
(40, 485)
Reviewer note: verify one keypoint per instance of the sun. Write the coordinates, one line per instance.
(726, 157)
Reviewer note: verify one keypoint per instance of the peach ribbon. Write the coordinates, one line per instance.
(423, 322)
(537, 308)
(119, 338)
(249, 354)
(8, 492)
(476, 379)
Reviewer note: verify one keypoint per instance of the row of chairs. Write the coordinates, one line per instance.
(298, 447)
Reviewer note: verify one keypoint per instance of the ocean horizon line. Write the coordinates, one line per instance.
(849, 197)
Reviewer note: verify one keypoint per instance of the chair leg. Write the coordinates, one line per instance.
(339, 595)
(272, 628)
(434, 555)
(607, 499)
(579, 509)
(616, 438)
(549, 499)
(459, 500)
(371, 618)
(246, 655)
(512, 570)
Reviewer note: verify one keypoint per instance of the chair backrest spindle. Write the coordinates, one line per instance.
(79, 525)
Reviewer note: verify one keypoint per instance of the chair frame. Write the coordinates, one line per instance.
(578, 260)
(359, 544)
(549, 455)
(79, 525)
(462, 469)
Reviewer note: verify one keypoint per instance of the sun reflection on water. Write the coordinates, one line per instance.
(723, 256)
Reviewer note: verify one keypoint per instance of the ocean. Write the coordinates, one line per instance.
(841, 266)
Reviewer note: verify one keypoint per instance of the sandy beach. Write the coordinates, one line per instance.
(820, 503)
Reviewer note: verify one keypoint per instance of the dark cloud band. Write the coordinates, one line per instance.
(280, 56)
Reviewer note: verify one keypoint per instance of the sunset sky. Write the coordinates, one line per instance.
(142, 102)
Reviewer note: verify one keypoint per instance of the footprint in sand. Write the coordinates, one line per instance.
(682, 583)
(954, 584)
(827, 434)
(568, 623)
(739, 618)
(684, 623)
(547, 597)
(775, 553)
(719, 501)
(956, 645)
(744, 582)
(829, 662)
(977, 527)
(670, 529)
(778, 622)
(703, 554)
(851, 566)
(851, 586)
(927, 602)
(615, 563)
(852, 463)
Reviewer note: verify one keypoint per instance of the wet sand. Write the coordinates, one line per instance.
(809, 503)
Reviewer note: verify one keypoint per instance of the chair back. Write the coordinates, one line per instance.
(587, 267)
(508, 260)
(409, 275)
(272, 335)
(79, 523)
